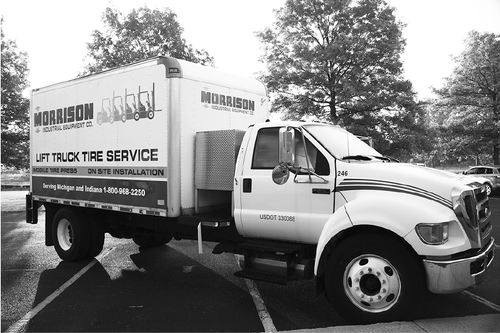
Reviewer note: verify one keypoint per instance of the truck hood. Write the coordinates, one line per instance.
(425, 182)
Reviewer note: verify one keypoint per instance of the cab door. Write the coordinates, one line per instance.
(266, 209)
(293, 211)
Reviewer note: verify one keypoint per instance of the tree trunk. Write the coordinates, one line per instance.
(496, 155)
(333, 108)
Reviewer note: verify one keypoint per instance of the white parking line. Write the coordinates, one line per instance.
(18, 326)
(264, 315)
(482, 300)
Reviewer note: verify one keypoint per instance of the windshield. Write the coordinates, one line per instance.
(339, 142)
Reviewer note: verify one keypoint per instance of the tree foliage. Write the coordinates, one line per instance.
(469, 102)
(339, 61)
(15, 108)
(139, 35)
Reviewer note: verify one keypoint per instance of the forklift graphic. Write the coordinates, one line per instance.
(133, 106)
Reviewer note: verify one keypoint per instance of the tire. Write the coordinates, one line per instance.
(151, 114)
(145, 241)
(137, 116)
(373, 278)
(96, 239)
(488, 189)
(71, 235)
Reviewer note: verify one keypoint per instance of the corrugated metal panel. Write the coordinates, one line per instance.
(216, 153)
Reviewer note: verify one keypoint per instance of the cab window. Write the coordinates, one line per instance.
(265, 154)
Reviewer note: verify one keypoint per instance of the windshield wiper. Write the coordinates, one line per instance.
(369, 158)
(357, 157)
(387, 158)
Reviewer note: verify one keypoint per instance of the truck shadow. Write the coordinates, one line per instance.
(165, 291)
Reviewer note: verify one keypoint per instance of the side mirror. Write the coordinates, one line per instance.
(287, 146)
(281, 174)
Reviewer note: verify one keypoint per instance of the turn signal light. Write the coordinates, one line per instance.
(433, 234)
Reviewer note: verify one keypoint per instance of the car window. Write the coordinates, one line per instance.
(488, 171)
(471, 172)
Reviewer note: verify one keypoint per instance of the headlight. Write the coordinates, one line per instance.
(433, 234)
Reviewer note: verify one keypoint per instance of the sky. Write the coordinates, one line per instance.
(54, 33)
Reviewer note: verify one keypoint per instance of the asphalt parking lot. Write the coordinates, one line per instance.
(173, 288)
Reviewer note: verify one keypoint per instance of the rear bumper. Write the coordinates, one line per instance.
(445, 277)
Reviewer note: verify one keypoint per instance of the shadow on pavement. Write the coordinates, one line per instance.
(166, 291)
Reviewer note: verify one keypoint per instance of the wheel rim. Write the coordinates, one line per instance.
(372, 283)
(64, 234)
(488, 189)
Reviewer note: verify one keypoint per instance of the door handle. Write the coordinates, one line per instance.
(247, 185)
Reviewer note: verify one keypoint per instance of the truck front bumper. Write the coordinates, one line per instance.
(445, 277)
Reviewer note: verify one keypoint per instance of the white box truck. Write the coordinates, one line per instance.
(166, 149)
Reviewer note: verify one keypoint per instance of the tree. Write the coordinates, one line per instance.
(470, 98)
(15, 108)
(339, 61)
(142, 34)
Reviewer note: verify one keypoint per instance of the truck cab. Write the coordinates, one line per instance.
(382, 232)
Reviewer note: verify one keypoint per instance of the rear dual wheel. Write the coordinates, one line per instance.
(75, 237)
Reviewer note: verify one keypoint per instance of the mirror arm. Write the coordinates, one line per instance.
(309, 173)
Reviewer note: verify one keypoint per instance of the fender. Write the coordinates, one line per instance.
(338, 222)
(396, 213)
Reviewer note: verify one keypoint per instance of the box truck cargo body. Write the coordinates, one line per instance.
(124, 139)
(166, 149)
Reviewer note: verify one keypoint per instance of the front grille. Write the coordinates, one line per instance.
(483, 214)
(473, 211)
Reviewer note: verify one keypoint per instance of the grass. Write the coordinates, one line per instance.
(15, 179)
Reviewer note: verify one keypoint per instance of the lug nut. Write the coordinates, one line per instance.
(361, 273)
(356, 280)
(384, 290)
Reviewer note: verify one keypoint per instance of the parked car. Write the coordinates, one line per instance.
(491, 175)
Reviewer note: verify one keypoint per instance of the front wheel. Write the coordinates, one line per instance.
(374, 278)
